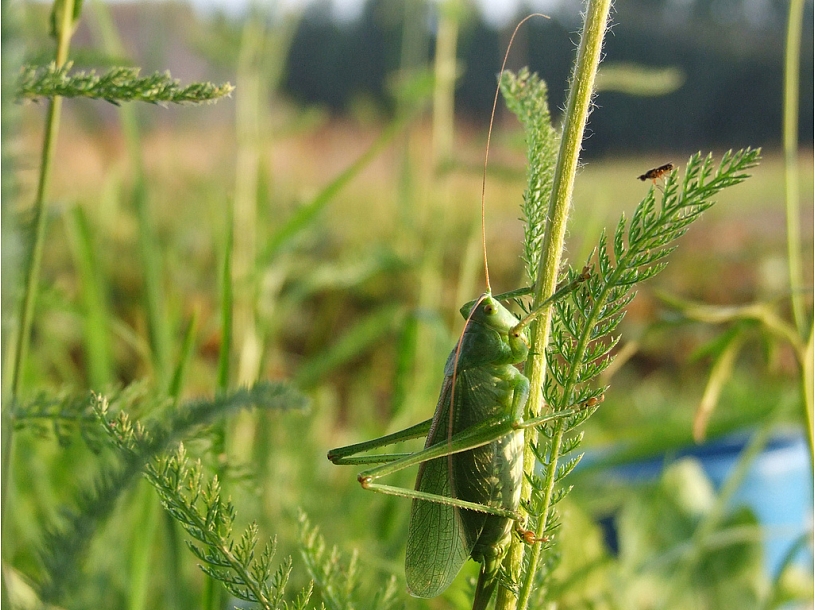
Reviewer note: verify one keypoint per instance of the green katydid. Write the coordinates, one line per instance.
(468, 486)
(469, 481)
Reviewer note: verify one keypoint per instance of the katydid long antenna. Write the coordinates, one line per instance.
(487, 145)
(484, 234)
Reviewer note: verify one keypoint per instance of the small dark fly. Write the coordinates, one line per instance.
(658, 172)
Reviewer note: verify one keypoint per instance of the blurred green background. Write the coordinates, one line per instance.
(351, 291)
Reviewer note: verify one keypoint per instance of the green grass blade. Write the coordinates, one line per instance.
(306, 214)
(405, 358)
(222, 377)
(94, 300)
(790, 144)
(187, 346)
(353, 343)
(149, 248)
(143, 536)
(150, 252)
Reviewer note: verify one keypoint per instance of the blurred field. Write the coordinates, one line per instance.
(397, 244)
(735, 254)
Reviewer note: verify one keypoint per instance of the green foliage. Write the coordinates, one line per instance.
(144, 441)
(639, 80)
(116, 85)
(323, 297)
(337, 582)
(526, 97)
(199, 507)
(61, 414)
(140, 440)
(655, 526)
(584, 322)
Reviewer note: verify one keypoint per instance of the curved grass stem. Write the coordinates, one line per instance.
(47, 156)
(790, 125)
(32, 276)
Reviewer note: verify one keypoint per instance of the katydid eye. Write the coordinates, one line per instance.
(489, 310)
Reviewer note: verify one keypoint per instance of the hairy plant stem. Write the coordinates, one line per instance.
(578, 108)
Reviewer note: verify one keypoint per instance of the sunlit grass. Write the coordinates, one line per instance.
(730, 257)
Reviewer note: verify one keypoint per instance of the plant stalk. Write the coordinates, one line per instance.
(790, 144)
(578, 108)
(445, 82)
(27, 306)
(40, 212)
(249, 127)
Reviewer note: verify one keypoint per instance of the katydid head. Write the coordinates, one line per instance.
(490, 312)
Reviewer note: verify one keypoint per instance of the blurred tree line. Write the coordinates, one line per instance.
(728, 54)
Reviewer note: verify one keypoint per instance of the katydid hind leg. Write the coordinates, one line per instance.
(475, 436)
(339, 455)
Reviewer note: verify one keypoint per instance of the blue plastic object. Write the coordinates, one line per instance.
(778, 488)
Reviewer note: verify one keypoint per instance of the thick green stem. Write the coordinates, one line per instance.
(578, 107)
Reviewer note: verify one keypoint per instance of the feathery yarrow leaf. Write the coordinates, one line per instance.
(526, 96)
(581, 338)
(337, 581)
(583, 325)
(116, 85)
(208, 519)
(65, 543)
